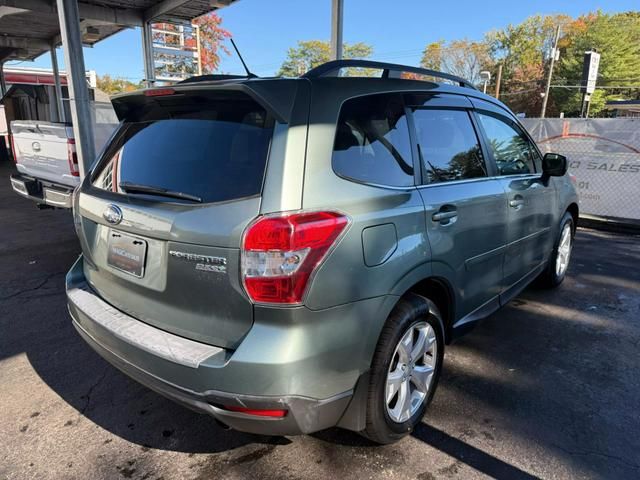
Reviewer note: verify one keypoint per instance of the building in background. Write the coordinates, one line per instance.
(176, 51)
(624, 108)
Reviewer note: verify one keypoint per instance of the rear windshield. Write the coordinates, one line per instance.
(189, 147)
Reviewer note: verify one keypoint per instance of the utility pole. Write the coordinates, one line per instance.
(498, 80)
(555, 54)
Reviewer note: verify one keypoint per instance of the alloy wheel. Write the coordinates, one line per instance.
(411, 372)
(564, 251)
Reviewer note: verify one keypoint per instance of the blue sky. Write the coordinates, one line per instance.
(398, 30)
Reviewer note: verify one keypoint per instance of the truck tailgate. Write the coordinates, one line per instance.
(42, 151)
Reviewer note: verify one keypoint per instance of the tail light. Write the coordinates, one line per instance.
(159, 92)
(72, 157)
(14, 152)
(281, 252)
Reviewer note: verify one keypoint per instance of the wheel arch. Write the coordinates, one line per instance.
(574, 210)
(440, 292)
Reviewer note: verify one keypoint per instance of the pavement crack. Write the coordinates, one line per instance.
(40, 284)
(87, 395)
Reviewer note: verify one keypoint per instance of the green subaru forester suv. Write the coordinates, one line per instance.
(288, 255)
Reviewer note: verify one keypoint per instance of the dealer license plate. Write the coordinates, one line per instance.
(126, 253)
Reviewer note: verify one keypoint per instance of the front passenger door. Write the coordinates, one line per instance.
(529, 199)
(466, 211)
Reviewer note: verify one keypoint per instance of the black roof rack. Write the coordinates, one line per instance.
(332, 67)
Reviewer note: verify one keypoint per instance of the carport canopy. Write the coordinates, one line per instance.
(30, 28)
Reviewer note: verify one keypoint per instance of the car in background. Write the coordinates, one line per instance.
(288, 255)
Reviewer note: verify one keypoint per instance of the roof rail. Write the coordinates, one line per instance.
(332, 67)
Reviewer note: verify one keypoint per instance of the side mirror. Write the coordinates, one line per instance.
(554, 165)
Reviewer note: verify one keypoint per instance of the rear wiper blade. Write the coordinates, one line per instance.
(129, 187)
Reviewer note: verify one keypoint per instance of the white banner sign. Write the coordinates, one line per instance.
(603, 154)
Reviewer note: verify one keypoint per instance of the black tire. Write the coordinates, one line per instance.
(409, 311)
(549, 278)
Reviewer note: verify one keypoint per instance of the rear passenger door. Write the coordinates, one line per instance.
(466, 211)
(530, 200)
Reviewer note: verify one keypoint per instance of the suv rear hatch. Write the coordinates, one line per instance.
(162, 215)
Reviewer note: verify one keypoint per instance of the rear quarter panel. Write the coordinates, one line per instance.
(346, 275)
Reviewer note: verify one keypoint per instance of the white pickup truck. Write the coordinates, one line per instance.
(46, 159)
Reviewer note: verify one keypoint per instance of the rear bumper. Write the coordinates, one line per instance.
(44, 193)
(214, 378)
(304, 415)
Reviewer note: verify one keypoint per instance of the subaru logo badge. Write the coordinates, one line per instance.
(113, 214)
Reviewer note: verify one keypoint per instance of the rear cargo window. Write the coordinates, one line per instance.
(193, 148)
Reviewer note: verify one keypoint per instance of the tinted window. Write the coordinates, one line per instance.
(214, 150)
(372, 141)
(449, 145)
(511, 149)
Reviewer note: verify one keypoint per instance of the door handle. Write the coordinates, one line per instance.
(517, 202)
(446, 215)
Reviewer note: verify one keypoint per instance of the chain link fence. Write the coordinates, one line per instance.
(603, 154)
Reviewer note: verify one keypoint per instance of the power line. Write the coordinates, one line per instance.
(603, 87)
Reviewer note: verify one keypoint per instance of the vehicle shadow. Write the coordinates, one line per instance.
(34, 321)
(105, 396)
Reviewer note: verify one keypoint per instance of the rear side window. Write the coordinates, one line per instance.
(372, 142)
(511, 149)
(448, 145)
(192, 147)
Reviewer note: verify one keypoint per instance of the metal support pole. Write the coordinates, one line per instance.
(198, 50)
(3, 84)
(57, 86)
(79, 99)
(545, 99)
(337, 8)
(147, 54)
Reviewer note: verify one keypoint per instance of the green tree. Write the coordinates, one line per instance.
(112, 86)
(463, 58)
(311, 53)
(524, 51)
(432, 55)
(617, 38)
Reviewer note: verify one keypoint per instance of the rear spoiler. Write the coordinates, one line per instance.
(277, 96)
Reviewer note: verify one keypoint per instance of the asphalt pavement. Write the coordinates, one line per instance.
(549, 387)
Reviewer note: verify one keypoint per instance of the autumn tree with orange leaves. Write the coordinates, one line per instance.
(212, 41)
